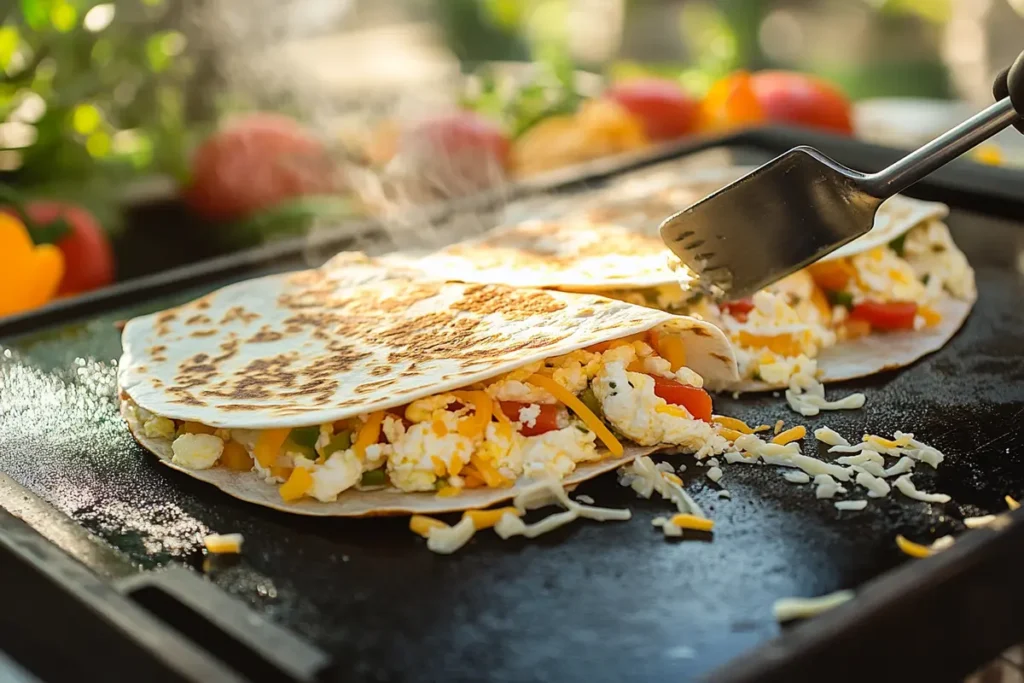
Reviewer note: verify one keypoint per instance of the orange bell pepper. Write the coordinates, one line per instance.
(29, 274)
(730, 103)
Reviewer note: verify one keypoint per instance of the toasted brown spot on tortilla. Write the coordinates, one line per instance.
(381, 370)
(199, 320)
(514, 304)
(373, 386)
(166, 317)
(238, 313)
(700, 331)
(265, 334)
(718, 356)
(203, 333)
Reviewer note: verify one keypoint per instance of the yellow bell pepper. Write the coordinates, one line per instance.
(29, 274)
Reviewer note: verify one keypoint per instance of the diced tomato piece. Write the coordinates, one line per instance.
(547, 420)
(696, 401)
(802, 100)
(893, 315)
(665, 110)
(738, 309)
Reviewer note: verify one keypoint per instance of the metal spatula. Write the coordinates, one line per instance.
(802, 205)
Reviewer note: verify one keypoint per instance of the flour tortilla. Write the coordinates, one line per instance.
(586, 252)
(358, 336)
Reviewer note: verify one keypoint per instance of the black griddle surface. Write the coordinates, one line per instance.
(611, 601)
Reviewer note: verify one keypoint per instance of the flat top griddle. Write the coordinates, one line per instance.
(611, 601)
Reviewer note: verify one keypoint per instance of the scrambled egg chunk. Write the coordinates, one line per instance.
(197, 451)
(427, 451)
(630, 405)
(557, 452)
(157, 427)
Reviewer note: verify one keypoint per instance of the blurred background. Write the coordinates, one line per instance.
(138, 135)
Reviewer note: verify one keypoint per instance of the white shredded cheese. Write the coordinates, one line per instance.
(446, 540)
(585, 499)
(733, 457)
(903, 465)
(907, 488)
(665, 466)
(714, 474)
(826, 487)
(850, 504)
(978, 522)
(810, 465)
(725, 494)
(672, 530)
(830, 437)
(644, 478)
(942, 543)
(796, 477)
(806, 395)
(877, 488)
(713, 462)
(788, 609)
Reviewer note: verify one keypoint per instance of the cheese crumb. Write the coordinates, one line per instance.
(223, 543)
(850, 504)
(788, 609)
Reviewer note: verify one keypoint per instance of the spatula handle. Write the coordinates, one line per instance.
(1010, 83)
(940, 151)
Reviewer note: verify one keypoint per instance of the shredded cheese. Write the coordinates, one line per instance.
(796, 477)
(788, 609)
(684, 521)
(448, 492)
(877, 488)
(850, 504)
(485, 519)
(790, 435)
(421, 524)
(913, 549)
(491, 476)
(1012, 504)
(446, 540)
(978, 522)
(907, 488)
(830, 437)
(733, 424)
(482, 405)
(714, 474)
(584, 413)
(223, 543)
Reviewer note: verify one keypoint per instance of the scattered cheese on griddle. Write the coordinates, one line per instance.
(796, 477)
(790, 435)
(446, 540)
(714, 474)
(725, 494)
(810, 465)
(644, 478)
(850, 504)
(826, 487)
(904, 465)
(907, 488)
(788, 609)
(913, 549)
(877, 488)
(223, 543)
(1012, 504)
(586, 500)
(978, 522)
(942, 543)
(867, 461)
(545, 493)
(806, 395)
(779, 425)
(830, 437)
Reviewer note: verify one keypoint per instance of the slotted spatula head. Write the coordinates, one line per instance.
(773, 221)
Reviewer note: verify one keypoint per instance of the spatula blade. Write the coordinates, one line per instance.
(772, 222)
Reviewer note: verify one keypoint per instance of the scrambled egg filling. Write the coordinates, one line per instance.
(539, 421)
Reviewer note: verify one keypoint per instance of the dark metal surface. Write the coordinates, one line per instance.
(595, 601)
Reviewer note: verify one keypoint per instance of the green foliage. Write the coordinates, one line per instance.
(90, 97)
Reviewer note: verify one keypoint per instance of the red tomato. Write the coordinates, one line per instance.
(802, 100)
(255, 163)
(738, 309)
(458, 136)
(88, 257)
(547, 420)
(696, 401)
(665, 111)
(895, 315)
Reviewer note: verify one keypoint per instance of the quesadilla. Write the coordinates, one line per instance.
(360, 388)
(880, 302)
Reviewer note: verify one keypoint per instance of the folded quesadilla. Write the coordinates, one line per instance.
(361, 388)
(883, 301)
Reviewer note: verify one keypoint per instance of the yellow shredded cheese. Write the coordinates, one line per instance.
(576, 406)
(730, 434)
(761, 428)
(685, 521)
(779, 425)
(790, 435)
(482, 406)
(439, 467)
(1012, 504)
(491, 476)
(485, 519)
(368, 433)
(421, 524)
(913, 549)
(733, 424)
(298, 483)
(676, 411)
(670, 347)
(672, 478)
(218, 544)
